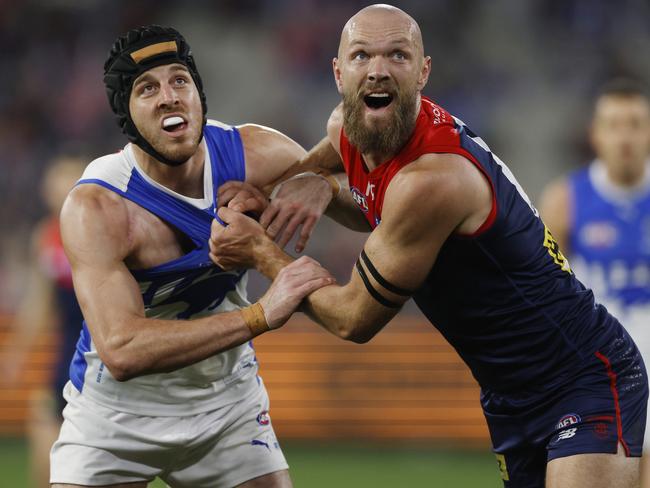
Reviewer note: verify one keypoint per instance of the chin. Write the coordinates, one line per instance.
(181, 151)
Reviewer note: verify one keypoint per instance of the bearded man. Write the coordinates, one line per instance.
(564, 389)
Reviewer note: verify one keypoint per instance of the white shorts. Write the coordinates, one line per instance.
(221, 448)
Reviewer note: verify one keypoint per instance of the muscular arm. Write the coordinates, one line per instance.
(402, 249)
(326, 156)
(97, 238)
(271, 160)
(555, 209)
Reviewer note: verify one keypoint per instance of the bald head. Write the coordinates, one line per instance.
(381, 19)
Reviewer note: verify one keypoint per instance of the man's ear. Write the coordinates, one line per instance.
(424, 73)
(337, 75)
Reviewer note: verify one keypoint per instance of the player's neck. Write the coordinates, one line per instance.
(629, 179)
(186, 179)
(373, 160)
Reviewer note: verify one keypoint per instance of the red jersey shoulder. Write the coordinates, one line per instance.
(52, 259)
(436, 126)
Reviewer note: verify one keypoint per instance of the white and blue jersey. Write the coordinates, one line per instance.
(185, 288)
(610, 242)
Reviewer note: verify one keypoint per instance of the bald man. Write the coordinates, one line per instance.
(564, 389)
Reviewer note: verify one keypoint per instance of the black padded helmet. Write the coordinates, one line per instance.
(134, 53)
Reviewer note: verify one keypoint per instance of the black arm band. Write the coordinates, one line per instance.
(380, 279)
(374, 293)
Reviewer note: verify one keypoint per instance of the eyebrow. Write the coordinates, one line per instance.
(146, 76)
(397, 42)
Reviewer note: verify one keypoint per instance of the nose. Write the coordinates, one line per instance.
(378, 69)
(168, 96)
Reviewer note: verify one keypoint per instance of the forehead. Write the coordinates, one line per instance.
(379, 31)
(620, 105)
(161, 71)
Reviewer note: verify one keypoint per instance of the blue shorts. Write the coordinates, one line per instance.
(603, 405)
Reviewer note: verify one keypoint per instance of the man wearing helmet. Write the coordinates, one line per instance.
(164, 379)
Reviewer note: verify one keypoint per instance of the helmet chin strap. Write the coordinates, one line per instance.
(136, 138)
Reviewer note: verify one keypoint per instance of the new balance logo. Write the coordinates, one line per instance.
(566, 434)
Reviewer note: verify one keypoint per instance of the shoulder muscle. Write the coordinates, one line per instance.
(268, 153)
(95, 226)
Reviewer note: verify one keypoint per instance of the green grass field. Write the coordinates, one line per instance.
(337, 466)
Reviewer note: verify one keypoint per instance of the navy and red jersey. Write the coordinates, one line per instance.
(54, 264)
(504, 297)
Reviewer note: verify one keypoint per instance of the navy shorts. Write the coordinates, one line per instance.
(604, 405)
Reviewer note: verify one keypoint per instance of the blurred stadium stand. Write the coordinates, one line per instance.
(407, 384)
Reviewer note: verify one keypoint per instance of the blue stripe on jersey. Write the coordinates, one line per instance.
(78, 364)
(611, 241)
(193, 282)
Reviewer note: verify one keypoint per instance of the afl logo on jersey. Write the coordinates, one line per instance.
(359, 197)
(601, 235)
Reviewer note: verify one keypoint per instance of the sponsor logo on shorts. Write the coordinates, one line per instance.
(567, 434)
(264, 418)
(570, 419)
(267, 440)
(503, 468)
(601, 430)
(257, 442)
(601, 425)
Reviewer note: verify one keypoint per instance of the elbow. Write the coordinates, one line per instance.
(120, 364)
(360, 337)
(120, 369)
(357, 333)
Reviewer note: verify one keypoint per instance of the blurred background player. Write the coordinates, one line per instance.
(48, 305)
(600, 214)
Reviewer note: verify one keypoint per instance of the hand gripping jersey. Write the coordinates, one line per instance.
(610, 242)
(185, 288)
(54, 264)
(505, 297)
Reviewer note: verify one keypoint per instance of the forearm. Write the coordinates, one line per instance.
(321, 157)
(154, 346)
(338, 309)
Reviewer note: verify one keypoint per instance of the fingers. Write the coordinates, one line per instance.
(316, 284)
(224, 197)
(241, 197)
(219, 262)
(227, 214)
(305, 233)
(306, 269)
(229, 190)
(278, 222)
(269, 214)
(286, 235)
(245, 202)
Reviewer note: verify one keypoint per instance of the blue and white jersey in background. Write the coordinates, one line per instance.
(610, 243)
(185, 288)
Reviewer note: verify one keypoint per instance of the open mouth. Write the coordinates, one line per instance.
(378, 100)
(174, 124)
